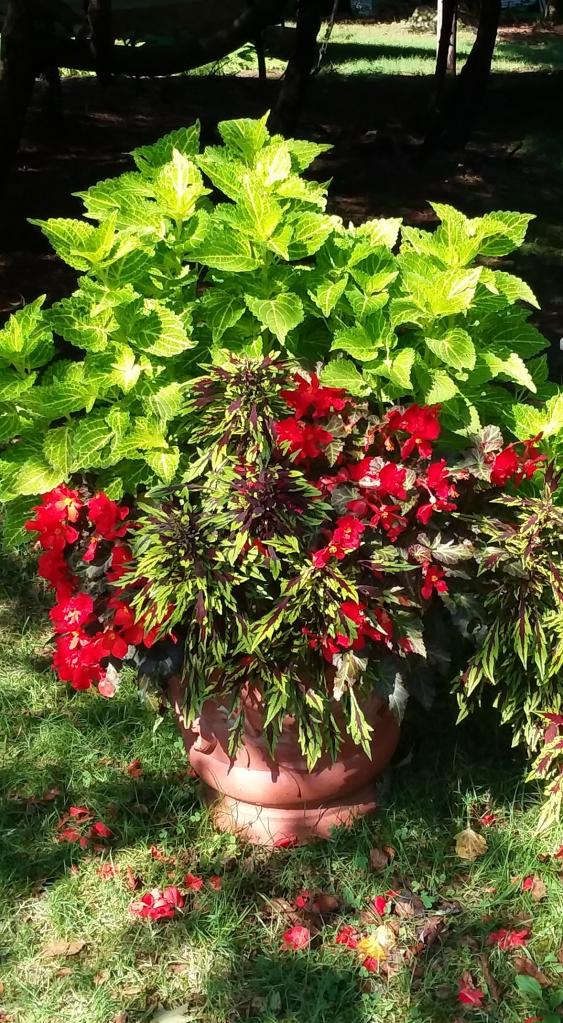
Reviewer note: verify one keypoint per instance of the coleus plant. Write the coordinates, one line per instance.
(297, 556)
(197, 252)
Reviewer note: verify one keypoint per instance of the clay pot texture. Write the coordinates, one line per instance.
(277, 801)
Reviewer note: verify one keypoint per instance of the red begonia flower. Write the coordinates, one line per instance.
(434, 580)
(423, 425)
(303, 439)
(468, 993)
(380, 904)
(347, 936)
(297, 937)
(193, 882)
(302, 899)
(371, 964)
(73, 613)
(506, 939)
(101, 830)
(310, 396)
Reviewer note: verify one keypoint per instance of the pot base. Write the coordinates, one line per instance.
(289, 825)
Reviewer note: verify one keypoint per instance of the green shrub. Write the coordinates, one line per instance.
(170, 279)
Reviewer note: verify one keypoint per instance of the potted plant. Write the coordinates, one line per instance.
(263, 539)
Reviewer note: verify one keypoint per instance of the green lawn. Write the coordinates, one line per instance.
(222, 959)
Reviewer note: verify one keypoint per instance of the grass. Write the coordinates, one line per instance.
(222, 958)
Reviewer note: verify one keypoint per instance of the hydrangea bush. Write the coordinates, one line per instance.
(289, 518)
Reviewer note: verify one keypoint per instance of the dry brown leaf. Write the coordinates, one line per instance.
(381, 858)
(325, 904)
(538, 891)
(431, 930)
(409, 906)
(101, 977)
(469, 845)
(62, 948)
(527, 968)
(132, 989)
(65, 971)
(178, 967)
(121, 1017)
(560, 956)
(135, 769)
(492, 985)
(1, 987)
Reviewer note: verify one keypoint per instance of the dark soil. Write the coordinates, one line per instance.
(375, 124)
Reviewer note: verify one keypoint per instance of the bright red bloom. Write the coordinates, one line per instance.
(438, 483)
(423, 425)
(302, 899)
(434, 580)
(297, 937)
(505, 466)
(468, 993)
(193, 882)
(528, 884)
(387, 479)
(285, 842)
(77, 660)
(158, 905)
(310, 396)
(101, 830)
(53, 567)
(347, 936)
(55, 515)
(303, 439)
(71, 615)
(69, 835)
(487, 819)
(79, 812)
(107, 516)
(505, 939)
(389, 517)
(346, 538)
(356, 613)
(371, 964)
(121, 557)
(380, 904)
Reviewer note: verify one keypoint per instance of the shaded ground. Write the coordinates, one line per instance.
(515, 161)
(222, 958)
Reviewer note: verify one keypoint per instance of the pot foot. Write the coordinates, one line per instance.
(288, 825)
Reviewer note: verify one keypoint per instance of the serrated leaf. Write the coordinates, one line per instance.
(382, 231)
(511, 366)
(357, 342)
(501, 232)
(441, 388)
(514, 289)
(68, 238)
(310, 231)
(166, 402)
(511, 329)
(261, 212)
(343, 373)
(401, 367)
(150, 158)
(221, 310)
(90, 435)
(10, 426)
(163, 463)
(303, 152)
(455, 348)
(178, 186)
(156, 329)
(26, 340)
(36, 476)
(226, 249)
(57, 447)
(15, 515)
(246, 135)
(280, 314)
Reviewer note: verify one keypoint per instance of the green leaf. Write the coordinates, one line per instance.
(261, 212)
(177, 187)
(357, 342)
(26, 340)
(343, 373)
(246, 135)
(10, 426)
(274, 163)
(303, 153)
(381, 231)
(310, 231)
(511, 329)
(401, 367)
(441, 389)
(15, 515)
(36, 476)
(279, 315)
(166, 402)
(150, 158)
(327, 294)
(526, 421)
(455, 348)
(499, 233)
(91, 435)
(221, 310)
(225, 249)
(68, 238)
(512, 367)
(154, 328)
(145, 434)
(514, 289)
(529, 986)
(164, 463)
(57, 447)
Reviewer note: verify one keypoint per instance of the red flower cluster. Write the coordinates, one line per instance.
(516, 465)
(78, 825)
(345, 538)
(305, 440)
(157, 904)
(422, 426)
(88, 632)
(297, 937)
(506, 939)
(309, 397)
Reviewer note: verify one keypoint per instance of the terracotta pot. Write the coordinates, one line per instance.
(278, 801)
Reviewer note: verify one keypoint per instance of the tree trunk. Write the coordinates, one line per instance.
(474, 77)
(454, 119)
(162, 59)
(446, 48)
(17, 77)
(297, 76)
(101, 36)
